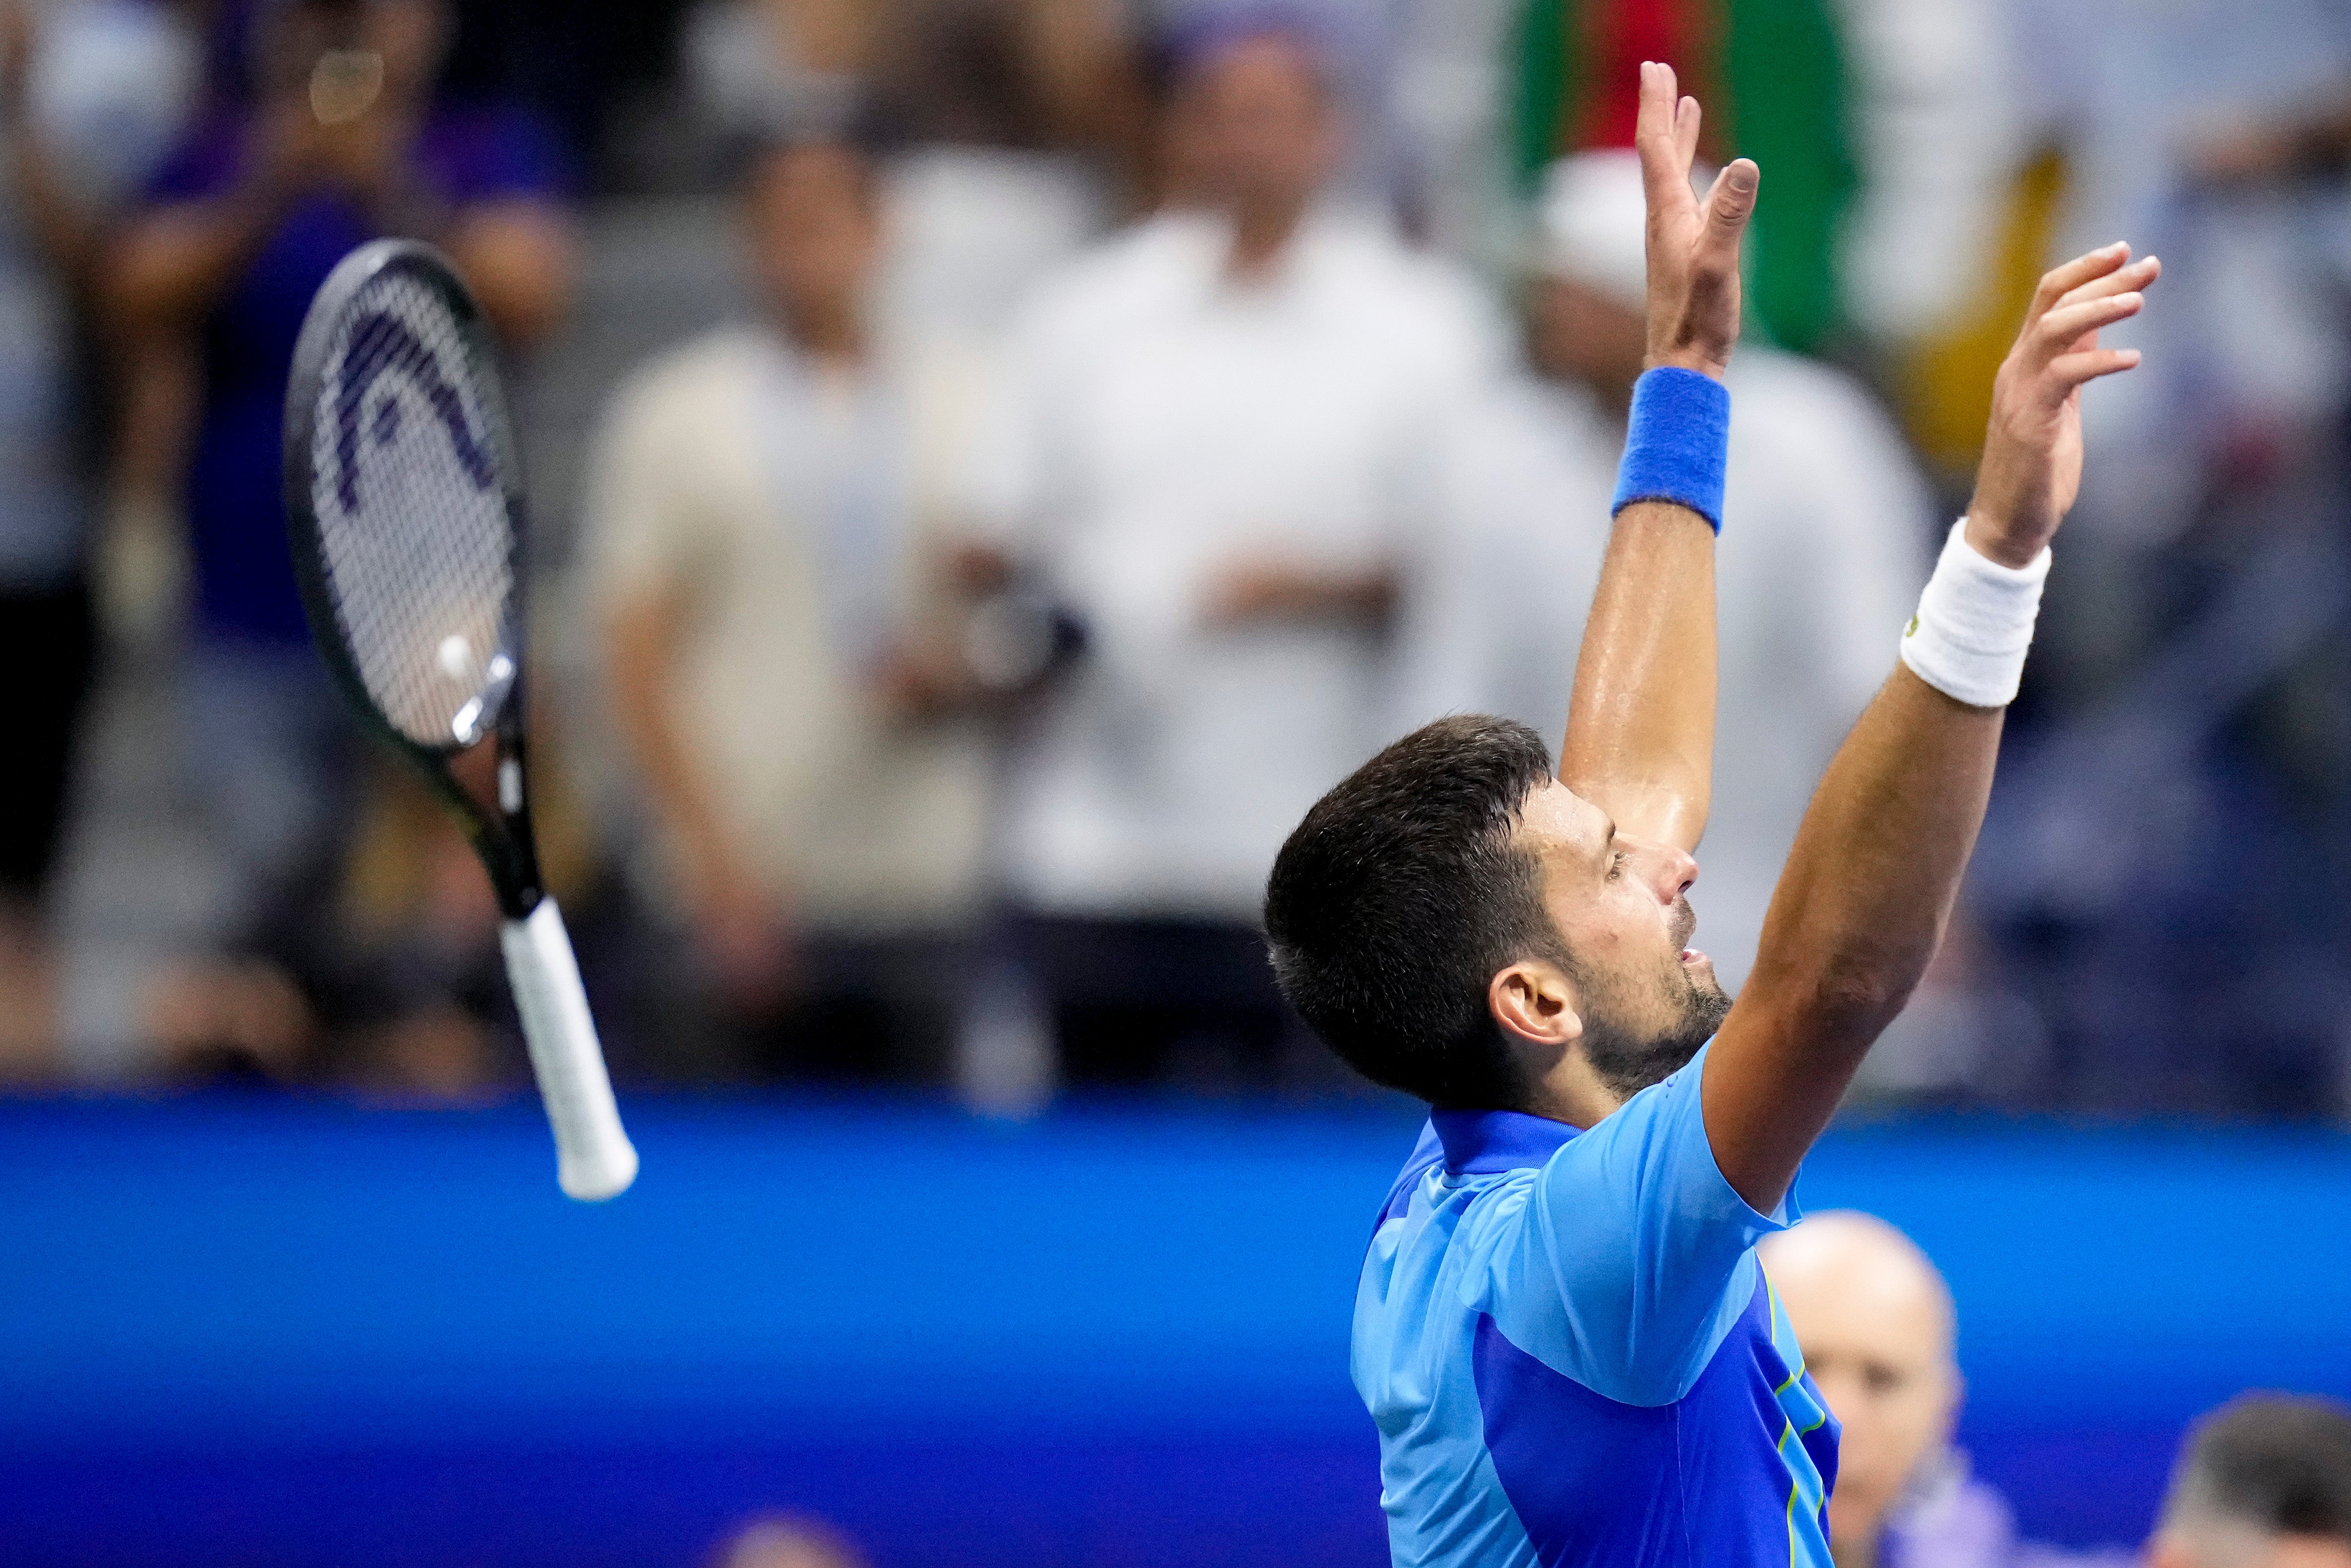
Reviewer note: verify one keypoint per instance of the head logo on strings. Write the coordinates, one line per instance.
(381, 345)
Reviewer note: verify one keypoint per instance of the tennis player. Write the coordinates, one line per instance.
(1561, 1331)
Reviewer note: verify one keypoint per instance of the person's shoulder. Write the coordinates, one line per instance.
(686, 387)
(1142, 269)
(1363, 250)
(1665, 1109)
(1420, 300)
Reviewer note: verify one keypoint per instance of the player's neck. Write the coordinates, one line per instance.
(833, 337)
(1262, 236)
(1566, 1089)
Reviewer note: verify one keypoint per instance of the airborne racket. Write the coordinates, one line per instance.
(404, 506)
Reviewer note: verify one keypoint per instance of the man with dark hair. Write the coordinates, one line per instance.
(766, 562)
(1212, 445)
(1561, 1331)
(2263, 1482)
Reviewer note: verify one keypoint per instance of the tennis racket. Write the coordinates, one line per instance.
(405, 506)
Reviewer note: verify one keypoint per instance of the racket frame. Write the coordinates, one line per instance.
(501, 831)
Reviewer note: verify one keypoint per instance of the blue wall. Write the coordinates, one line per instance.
(263, 1332)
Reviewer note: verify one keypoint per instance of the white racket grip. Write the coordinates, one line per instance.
(594, 1158)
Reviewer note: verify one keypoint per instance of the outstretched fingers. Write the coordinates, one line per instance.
(2063, 337)
(2062, 280)
(1665, 161)
(2123, 279)
(2070, 372)
(2067, 325)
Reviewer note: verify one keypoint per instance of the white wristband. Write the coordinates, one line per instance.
(1974, 623)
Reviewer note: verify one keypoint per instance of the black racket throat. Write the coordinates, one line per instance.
(500, 831)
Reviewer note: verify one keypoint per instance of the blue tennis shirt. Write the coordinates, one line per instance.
(1573, 1357)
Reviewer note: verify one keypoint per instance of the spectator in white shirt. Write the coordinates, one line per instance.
(1216, 449)
(766, 566)
(1824, 543)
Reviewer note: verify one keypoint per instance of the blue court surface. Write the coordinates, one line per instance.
(252, 1330)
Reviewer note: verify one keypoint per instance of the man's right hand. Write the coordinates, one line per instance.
(2032, 467)
(1875, 870)
(746, 944)
(1693, 249)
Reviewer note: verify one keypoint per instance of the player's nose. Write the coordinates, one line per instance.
(1671, 871)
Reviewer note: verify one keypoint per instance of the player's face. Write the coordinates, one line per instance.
(814, 230)
(1255, 127)
(1647, 999)
(1576, 332)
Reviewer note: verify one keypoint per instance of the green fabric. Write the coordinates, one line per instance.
(1783, 66)
(1547, 43)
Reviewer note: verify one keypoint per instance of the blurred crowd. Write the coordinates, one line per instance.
(996, 462)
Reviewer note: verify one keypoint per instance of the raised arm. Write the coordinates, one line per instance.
(1862, 905)
(1640, 726)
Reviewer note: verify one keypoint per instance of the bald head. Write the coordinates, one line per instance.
(1878, 1331)
(789, 1543)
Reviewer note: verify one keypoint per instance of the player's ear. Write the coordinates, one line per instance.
(1535, 1002)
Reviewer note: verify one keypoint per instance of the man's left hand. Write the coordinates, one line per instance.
(1693, 248)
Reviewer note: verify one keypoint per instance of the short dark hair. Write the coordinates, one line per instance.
(2279, 1463)
(1204, 35)
(1394, 901)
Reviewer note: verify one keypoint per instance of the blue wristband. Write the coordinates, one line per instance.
(1676, 443)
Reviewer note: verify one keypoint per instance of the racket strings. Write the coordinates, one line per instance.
(417, 541)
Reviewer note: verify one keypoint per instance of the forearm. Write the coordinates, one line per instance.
(1853, 924)
(643, 654)
(171, 268)
(1279, 591)
(1640, 728)
(1877, 866)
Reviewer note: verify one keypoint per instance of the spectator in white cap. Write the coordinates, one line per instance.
(1824, 545)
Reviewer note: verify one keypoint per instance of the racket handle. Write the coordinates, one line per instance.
(594, 1159)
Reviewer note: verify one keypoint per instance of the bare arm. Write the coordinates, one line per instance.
(169, 265)
(646, 635)
(1640, 727)
(1269, 589)
(1862, 905)
(738, 924)
(173, 264)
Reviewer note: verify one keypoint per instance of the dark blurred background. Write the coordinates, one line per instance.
(994, 462)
